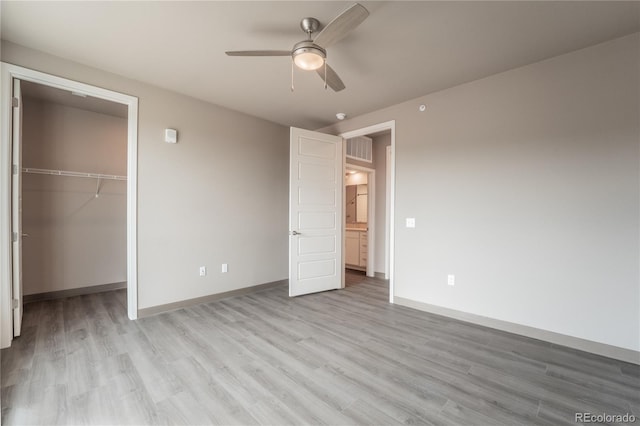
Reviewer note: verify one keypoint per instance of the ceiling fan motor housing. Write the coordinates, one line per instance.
(309, 25)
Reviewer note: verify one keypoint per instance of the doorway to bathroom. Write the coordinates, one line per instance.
(367, 201)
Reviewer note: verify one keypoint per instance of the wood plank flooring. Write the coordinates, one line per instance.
(341, 358)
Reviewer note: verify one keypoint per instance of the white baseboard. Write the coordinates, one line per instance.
(597, 348)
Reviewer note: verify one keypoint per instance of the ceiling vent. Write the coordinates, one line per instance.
(360, 148)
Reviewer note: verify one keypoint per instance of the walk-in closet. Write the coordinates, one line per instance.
(74, 193)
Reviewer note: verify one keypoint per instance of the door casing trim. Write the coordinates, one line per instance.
(8, 73)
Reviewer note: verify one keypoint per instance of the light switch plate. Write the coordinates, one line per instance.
(411, 222)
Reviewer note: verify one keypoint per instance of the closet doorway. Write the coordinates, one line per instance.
(72, 201)
(74, 193)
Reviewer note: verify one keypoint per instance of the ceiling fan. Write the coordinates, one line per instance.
(311, 54)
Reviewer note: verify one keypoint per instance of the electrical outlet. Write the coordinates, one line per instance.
(225, 268)
(411, 222)
(203, 271)
(451, 279)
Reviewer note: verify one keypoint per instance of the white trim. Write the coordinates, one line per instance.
(9, 72)
(6, 321)
(132, 207)
(387, 215)
(388, 125)
(371, 217)
(344, 210)
(623, 354)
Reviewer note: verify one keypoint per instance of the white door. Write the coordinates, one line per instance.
(315, 212)
(16, 207)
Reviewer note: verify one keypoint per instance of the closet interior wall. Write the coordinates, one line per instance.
(75, 238)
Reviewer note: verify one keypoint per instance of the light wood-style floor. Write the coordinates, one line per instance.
(340, 357)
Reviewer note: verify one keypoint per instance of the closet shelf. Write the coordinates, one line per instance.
(72, 174)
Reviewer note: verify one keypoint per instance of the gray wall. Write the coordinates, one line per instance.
(525, 185)
(75, 239)
(218, 196)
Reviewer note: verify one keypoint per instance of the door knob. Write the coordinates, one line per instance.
(25, 235)
(295, 233)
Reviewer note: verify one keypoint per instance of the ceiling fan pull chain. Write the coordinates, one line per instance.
(292, 74)
(325, 74)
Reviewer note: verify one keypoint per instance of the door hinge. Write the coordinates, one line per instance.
(14, 304)
(14, 236)
(15, 102)
(14, 169)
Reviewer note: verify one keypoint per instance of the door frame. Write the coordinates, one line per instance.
(390, 219)
(388, 184)
(8, 73)
(371, 216)
(16, 204)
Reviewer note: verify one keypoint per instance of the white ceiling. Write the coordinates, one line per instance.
(402, 51)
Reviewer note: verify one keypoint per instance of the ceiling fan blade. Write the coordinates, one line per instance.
(259, 53)
(333, 80)
(342, 25)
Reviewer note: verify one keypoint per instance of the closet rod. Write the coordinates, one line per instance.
(72, 174)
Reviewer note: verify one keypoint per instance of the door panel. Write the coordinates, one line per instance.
(317, 195)
(310, 146)
(315, 172)
(316, 220)
(316, 245)
(16, 207)
(315, 203)
(317, 269)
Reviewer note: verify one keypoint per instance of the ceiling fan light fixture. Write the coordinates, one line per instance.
(308, 61)
(310, 54)
(308, 57)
